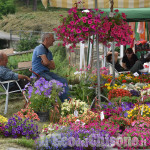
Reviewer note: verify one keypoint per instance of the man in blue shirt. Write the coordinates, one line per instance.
(42, 63)
(7, 74)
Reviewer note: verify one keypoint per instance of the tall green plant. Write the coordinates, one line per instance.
(83, 89)
(60, 59)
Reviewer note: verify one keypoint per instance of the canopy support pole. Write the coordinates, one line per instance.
(98, 65)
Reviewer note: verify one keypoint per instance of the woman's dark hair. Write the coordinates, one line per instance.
(108, 58)
(129, 51)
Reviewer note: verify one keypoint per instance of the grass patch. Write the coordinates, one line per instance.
(26, 143)
(15, 103)
(21, 143)
(43, 20)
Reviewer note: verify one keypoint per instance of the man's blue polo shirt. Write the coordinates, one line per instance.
(37, 66)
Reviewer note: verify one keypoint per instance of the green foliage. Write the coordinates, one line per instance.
(14, 60)
(27, 43)
(117, 49)
(25, 142)
(132, 99)
(6, 7)
(147, 99)
(59, 50)
(82, 90)
(71, 77)
(60, 59)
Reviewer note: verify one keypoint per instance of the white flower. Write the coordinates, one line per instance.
(136, 74)
(148, 92)
(50, 129)
(143, 92)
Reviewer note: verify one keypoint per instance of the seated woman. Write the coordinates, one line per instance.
(129, 59)
(135, 68)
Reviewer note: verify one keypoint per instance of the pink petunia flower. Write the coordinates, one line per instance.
(116, 10)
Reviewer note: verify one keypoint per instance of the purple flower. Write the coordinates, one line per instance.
(18, 127)
(125, 114)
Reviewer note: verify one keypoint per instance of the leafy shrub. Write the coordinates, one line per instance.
(60, 59)
(82, 90)
(6, 7)
(59, 50)
(18, 127)
(132, 99)
(27, 43)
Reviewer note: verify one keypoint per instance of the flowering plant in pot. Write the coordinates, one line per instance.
(44, 94)
(69, 107)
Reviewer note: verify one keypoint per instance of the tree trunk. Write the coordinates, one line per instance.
(27, 3)
(34, 5)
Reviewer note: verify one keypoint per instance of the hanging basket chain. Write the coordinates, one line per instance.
(112, 5)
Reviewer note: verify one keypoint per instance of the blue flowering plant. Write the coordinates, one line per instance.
(44, 94)
(78, 140)
(18, 127)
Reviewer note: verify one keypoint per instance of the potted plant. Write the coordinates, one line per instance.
(43, 95)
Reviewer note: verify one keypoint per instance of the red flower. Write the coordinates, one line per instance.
(109, 80)
(124, 81)
(116, 10)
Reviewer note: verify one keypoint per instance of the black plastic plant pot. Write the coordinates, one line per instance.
(43, 116)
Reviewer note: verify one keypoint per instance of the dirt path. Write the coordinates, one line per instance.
(12, 146)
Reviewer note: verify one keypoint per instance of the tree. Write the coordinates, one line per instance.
(27, 3)
(7, 7)
(34, 5)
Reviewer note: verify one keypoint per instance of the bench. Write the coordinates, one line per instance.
(8, 51)
(23, 66)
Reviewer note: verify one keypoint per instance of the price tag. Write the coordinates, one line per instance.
(76, 113)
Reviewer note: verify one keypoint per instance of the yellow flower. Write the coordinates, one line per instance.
(108, 88)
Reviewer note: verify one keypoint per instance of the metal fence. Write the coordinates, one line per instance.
(17, 35)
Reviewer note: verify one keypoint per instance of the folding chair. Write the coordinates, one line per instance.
(7, 92)
(38, 76)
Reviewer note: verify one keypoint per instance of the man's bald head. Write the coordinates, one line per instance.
(2, 56)
(3, 59)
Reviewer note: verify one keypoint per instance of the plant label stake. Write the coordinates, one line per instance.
(142, 107)
(76, 113)
(102, 115)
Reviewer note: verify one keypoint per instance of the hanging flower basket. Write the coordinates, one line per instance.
(115, 29)
(79, 26)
